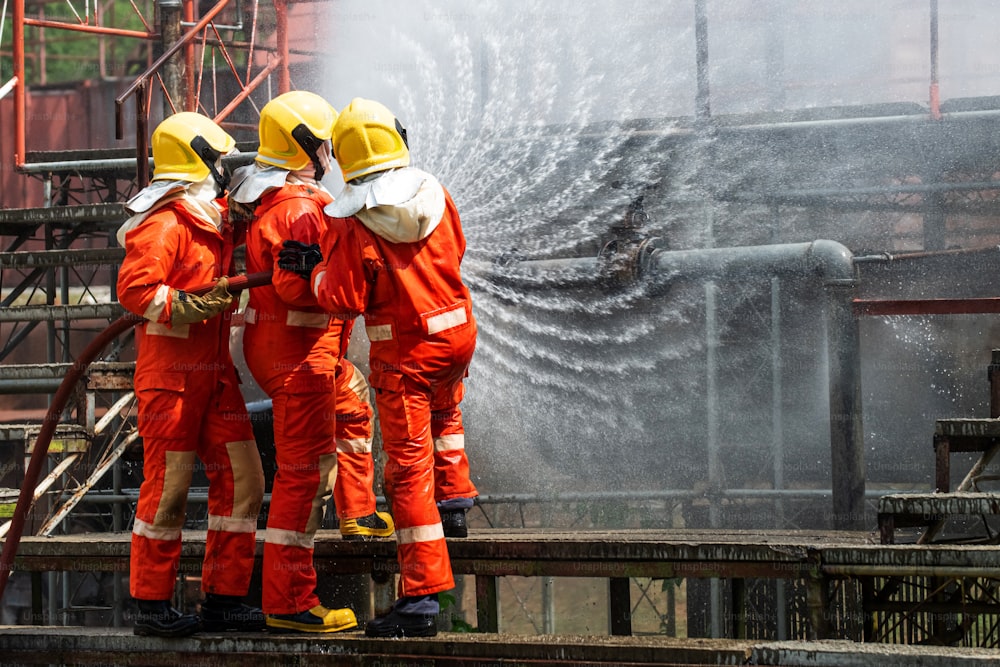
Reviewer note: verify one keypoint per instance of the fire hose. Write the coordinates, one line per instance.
(59, 400)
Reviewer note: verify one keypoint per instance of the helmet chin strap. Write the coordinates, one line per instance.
(313, 146)
(211, 158)
(320, 171)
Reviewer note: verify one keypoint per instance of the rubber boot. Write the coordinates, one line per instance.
(378, 524)
(156, 618)
(220, 613)
(410, 617)
(454, 524)
(317, 619)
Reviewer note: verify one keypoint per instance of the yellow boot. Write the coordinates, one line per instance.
(378, 524)
(317, 619)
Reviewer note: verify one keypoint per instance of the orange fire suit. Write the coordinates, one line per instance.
(189, 405)
(418, 316)
(322, 417)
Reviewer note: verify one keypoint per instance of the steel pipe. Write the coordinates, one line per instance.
(94, 29)
(828, 261)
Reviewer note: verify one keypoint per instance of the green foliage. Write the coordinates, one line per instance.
(54, 56)
(458, 624)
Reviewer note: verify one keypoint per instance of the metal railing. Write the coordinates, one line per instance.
(179, 85)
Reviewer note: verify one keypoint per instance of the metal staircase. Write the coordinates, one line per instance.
(953, 604)
(66, 289)
(934, 513)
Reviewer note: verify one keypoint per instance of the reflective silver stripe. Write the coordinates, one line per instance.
(230, 524)
(156, 307)
(354, 445)
(447, 320)
(444, 443)
(289, 538)
(157, 329)
(419, 534)
(298, 318)
(152, 532)
(250, 315)
(379, 332)
(317, 279)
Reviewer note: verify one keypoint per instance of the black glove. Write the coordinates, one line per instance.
(299, 258)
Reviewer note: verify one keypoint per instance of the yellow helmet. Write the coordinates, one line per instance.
(293, 126)
(368, 138)
(186, 147)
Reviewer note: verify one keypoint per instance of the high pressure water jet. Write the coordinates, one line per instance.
(631, 259)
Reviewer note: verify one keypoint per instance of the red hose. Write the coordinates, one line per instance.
(59, 400)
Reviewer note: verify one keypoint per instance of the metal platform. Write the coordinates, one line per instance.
(32, 645)
(819, 559)
(888, 584)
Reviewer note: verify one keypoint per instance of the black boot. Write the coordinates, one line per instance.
(395, 624)
(410, 617)
(227, 612)
(453, 522)
(156, 618)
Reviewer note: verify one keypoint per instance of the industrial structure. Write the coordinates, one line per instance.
(900, 199)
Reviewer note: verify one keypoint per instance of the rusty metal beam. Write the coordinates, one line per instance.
(96, 29)
(75, 257)
(61, 215)
(862, 307)
(92, 311)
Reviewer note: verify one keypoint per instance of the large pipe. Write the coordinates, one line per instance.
(830, 262)
(54, 415)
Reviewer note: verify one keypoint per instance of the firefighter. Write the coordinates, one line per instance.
(189, 399)
(295, 351)
(392, 252)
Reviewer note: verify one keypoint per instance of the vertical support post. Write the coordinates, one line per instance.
(846, 433)
(190, 103)
(37, 614)
(712, 403)
(777, 434)
(549, 606)
(870, 617)
(942, 463)
(935, 93)
(738, 588)
(142, 134)
(777, 448)
(993, 375)
(281, 39)
(384, 595)
(712, 444)
(487, 603)
(817, 596)
(173, 69)
(703, 107)
(384, 580)
(620, 606)
(20, 84)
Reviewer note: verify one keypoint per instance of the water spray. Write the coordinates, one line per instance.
(59, 400)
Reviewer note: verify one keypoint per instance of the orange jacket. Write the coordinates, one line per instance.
(418, 312)
(286, 312)
(174, 249)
